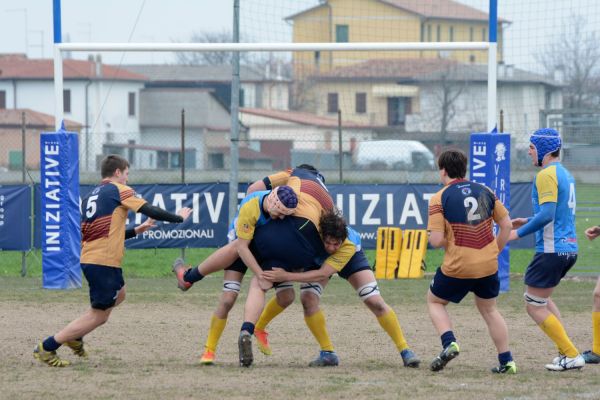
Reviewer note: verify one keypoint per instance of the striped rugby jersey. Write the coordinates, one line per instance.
(465, 211)
(103, 216)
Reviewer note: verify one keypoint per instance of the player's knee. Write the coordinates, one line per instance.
(377, 305)
(285, 297)
(310, 302)
(535, 301)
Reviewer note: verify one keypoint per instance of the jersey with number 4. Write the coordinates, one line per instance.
(465, 211)
(103, 216)
(555, 184)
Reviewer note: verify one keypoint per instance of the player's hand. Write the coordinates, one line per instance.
(264, 284)
(275, 275)
(146, 226)
(513, 234)
(518, 222)
(184, 212)
(592, 232)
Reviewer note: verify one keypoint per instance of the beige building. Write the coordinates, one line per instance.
(14, 145)
(388, 21)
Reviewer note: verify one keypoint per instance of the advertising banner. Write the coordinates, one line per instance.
(59, 214)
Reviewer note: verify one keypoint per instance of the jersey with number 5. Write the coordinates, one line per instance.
(465, 211)
(103, 215)
(555, 184)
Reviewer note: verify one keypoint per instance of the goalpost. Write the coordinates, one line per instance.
(60, 47)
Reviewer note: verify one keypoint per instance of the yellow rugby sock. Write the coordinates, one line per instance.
(217, 325)
(389, 322)
(555, 331)
(316, 324)
(596, 332)
(271, 310)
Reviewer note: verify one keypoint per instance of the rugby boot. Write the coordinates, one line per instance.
(508, 368)
(245, 349)
(77, 347)
(409, 359)
(565, 363)
(49, 357)
(590, 357)
(325, 359)
(448, 354)
(262, 339)
(179, 269)
(208, 357)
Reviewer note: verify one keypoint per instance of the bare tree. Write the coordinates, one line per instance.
(451, 83)
(210, 57)
(574, 53)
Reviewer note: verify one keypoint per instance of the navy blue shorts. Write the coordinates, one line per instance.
(292, 243)
(105, 283)
(238, 266)
(357, 263)
(547, 269)
(455, 289)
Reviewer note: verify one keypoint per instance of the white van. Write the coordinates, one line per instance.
(394, 154)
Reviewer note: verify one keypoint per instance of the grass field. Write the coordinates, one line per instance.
(150, 347)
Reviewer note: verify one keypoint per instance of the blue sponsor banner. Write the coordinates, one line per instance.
(59, 210)
(15, 217)
(490, 166)
(365, 207)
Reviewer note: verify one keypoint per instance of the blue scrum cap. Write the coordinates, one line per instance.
(546, 141)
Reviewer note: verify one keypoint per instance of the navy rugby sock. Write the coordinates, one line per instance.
(505, 357)
(447, 338)
(248, 327)
(50, 344)
(192, 275)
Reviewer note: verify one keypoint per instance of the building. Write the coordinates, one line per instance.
(258, 89)
(439, 96)
(388, 21)
(293, 138)
(20, 137)
(103, 99)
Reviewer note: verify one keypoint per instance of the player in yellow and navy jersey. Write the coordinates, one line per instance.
(103, 215)
(271, 243)
(553, 222)
(461, 216)
(358, 273)
(256, 209)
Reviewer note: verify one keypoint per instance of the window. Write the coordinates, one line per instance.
(398, 109)
(332, 102)
(15, 159)
(439, 34)
(67, 100)
(361, 103)
(341, 33)
(429, 33)
(317, 58)
(2, 99)
(131, 104)
(483, 35)
(242, 98)
(471, 34)
(451, 34)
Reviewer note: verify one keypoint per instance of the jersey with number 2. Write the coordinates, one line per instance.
(555, 184)
(465, 211)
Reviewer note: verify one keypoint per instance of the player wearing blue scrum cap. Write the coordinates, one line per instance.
(553, 223)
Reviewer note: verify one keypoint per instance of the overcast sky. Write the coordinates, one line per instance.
(533, 23)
